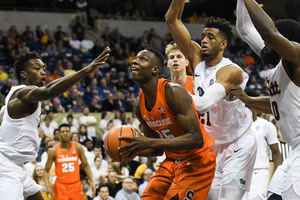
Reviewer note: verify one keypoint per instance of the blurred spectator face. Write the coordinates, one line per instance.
(148, 174)
(104, 193)
(89, 145)
(98, 162)
(112, 177)
(128, 184)
(70, 120)
(75, 138)
(39, 171)
(97, 151)
(86, 111)
(109, 126)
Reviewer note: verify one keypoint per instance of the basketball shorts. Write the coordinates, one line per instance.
(259, 184)
(235, 161)
(71, 191)
(15, 183)
(188, 178)
(291, 186)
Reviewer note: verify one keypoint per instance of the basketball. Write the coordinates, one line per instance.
(112, 142)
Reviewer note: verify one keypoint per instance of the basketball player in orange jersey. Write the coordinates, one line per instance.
(169, 123)
(66, 155)
(177, 64)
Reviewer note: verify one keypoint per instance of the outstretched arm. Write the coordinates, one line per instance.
(246, 29)
(33, 94)
(287, 49)
(260, 104)
(190, 49)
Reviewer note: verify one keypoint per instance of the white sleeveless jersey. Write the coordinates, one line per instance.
(19, 139)
(227, 120)
(285, 104)
(266, 134)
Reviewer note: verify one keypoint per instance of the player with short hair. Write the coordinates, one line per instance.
(278, 43)
(66, 156)
(188, 170)
(19, 140)
(228, 121)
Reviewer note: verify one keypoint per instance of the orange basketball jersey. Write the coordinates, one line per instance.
(189, 85)
(163, 120)
(67, 165)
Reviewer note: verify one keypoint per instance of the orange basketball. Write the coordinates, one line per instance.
(112, 142)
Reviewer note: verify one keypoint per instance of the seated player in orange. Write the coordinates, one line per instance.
(66, 156)
(170, 123)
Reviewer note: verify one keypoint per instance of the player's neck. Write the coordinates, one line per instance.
(179, 78)
(214, 61)
(66, 146)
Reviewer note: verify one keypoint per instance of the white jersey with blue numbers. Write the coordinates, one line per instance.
(285, 104)
(227, 120)
(19, 138)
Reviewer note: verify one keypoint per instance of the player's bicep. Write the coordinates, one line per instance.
(288, 50)
(32, 94)
(229, 76)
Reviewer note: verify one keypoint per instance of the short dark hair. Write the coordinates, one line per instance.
(223, 25)
(63, 125)
(22, 62)
(157, 54)
(70, 116)
(289, 28)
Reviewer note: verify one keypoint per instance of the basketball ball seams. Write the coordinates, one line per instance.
(108, 148)
(120, 143)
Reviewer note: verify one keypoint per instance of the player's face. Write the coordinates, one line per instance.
(103, 193)
(211, 43)
(35, 73)
(142, 66)
(176, 61)
(65, 134)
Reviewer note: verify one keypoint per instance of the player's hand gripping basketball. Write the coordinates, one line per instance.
(138, 143)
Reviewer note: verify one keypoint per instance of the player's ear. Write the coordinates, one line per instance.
(223, 44)
(156, 69)
(23, 75)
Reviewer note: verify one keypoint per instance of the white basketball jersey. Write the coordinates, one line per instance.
(266, 134)
(19, 139)
(227, 120)
(285, 104)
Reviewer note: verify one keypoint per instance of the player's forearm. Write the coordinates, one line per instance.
(63, 84)
(262, 22)
(175, 11)
(260, 104)
(150, 152)
(246, 29)
(277, 159)
(88, 172)
(186, 141)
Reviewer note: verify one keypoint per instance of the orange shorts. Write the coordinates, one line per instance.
(68, 191)
(188, 179)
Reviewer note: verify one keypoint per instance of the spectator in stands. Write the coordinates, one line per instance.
(147, 175)
(121, 169)
(75, 43)
(248, 59)
(78, 107)
(78, 27)
(96, 89)
(57, 107)
(97, 48)
(127, 191)
(103, 122)
(108, 103)
(194, 19)
(83, 134)
(61, 48)
(89, 121)
(138, 175)
(119, 101)
(47, 38)
(38, 32)
(103, 193)
(97, 171)
(70, 119)
(105, 89)
(109, 125)
(41, 179)
(113, 183)
(59, 34)
(94, 106)
(156, 41)
(86, 43)
(48, 130)
(8, 83)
